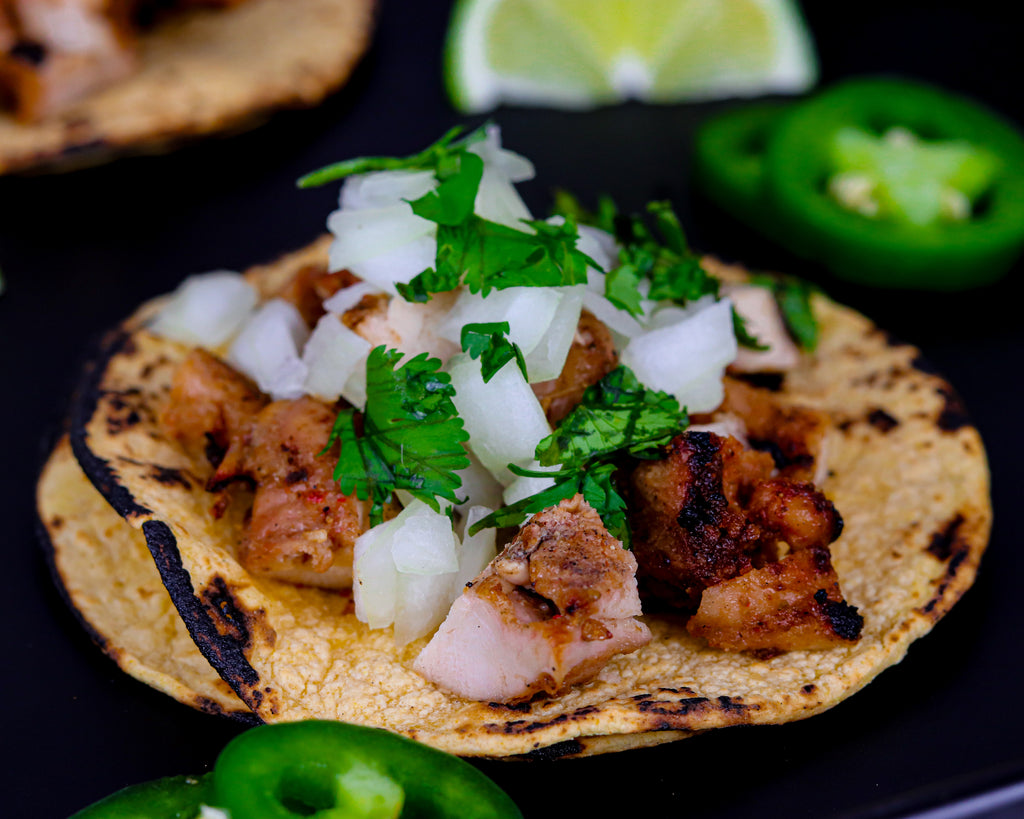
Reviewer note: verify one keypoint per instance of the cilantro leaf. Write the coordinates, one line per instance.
(452, 202)
(622, 288)
(485, 256)
(616, 414)
(433, 157)
(489, 343)
(516, 513)
(411, 436)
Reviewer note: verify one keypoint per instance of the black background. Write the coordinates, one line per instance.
(80, 251)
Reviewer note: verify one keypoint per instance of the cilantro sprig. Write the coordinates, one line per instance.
(489, 342)
(617, 416)
(411, 435)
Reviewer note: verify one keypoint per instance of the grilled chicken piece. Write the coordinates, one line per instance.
(789, 605)
(405, 326)
(301, 528)
(547, 613)
(308, 288)
(64, 50)
(710, 515)
(591, 357)
(794, 436)
(210, 408)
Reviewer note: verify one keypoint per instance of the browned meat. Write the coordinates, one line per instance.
(549, 612)
(210, 408)
(591, 357)
(64, 50)
(301, 527)
(308, 288)
(711, 514)
(793, 435)
(792, 604)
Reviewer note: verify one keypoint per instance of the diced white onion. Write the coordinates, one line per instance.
(687, 358)
(425, 544)
(517, 168)
(528, 311)
(475, 551)
(360, 235)
(207, 309)
(267, 349)
(504, 419)
(374, 576)
(523, 487)
(479, 486)
(599, 245)
(381, 189)
(422, 602)
(397, 264)
(619, 322)
(332, 355)
(548, 356)
(348, 297)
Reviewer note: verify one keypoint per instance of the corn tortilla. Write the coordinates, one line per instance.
(202, 71)
(907, 471)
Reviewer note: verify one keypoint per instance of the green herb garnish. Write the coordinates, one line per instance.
(490, 343)
(616, 416)
(411, 436)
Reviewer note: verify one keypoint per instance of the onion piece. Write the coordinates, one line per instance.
(207, 309)
(332, 356)
(380, 189)
(364, 234)
(267, 349)
(422, 602)
(686, 358)
(528, 311)
(547, 358)
(475, 551)
(348, 297)
(398, 264)
(504, 419)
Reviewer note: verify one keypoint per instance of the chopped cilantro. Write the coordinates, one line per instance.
(439, 157)
(411, 435)
(616, 416)
(489, 343)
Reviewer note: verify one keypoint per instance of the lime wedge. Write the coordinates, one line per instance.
(585, 53)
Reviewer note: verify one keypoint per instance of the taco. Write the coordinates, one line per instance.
(89, 84)
(824, 508)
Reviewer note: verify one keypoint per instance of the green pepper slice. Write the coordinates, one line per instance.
(334, 770)
(729, 151)
(916, 145)
(173, 797)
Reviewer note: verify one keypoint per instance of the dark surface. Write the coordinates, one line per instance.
(81, 251)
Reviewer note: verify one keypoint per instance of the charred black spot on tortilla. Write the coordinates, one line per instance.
(846, 622)
(560, 750)
(951, 572)
(56, 522)
(170, 476)
(730, 705)
(766, 381)
(881, 420)
(809, 688)
(521, 707)
(678, 708)
(954, 413)
(522, 726)
(28, 51)
(222, 651)
(945, 541)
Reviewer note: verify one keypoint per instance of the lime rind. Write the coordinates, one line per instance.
(579, 54)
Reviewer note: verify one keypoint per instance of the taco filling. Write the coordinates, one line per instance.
(494, 398)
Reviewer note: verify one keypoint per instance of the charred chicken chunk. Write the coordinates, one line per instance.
(792, 604)
(300, 528)
(547, 613)
(712, 516)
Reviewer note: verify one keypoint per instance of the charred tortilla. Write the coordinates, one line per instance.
(201, 72)
(906, 469)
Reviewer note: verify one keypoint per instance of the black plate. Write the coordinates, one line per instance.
(81, 251)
